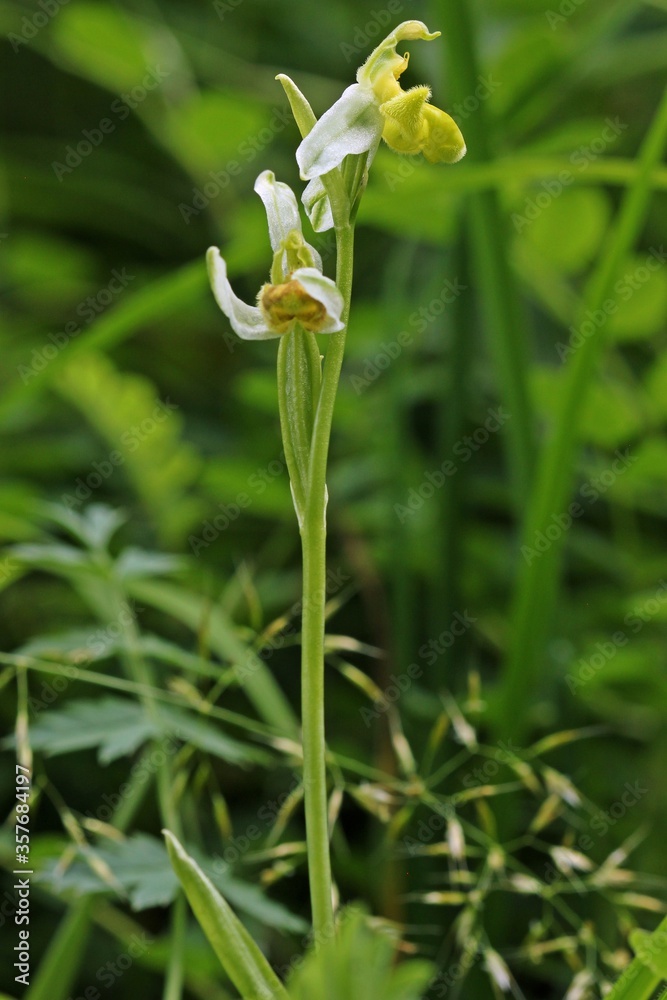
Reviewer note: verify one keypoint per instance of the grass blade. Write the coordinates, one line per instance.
(647, 970)
(240, 957)
(489, 250)
(258, 681)
(538, 579)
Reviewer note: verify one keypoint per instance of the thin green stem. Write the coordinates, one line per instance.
(313, 539)
(319, 451)
(314, 750)
(175, 976)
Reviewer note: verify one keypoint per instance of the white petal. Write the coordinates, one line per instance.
(325, 291)
(353, 125)
(317, 260)
(318, 207)
(282, 211)
(247, 321)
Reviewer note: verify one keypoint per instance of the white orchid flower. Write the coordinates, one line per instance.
(298, 291)
(376, 107)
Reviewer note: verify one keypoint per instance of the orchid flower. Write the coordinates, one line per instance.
(375, 108)
(298, 291)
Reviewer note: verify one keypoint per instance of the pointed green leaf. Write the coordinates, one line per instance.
(304, 116)
(93, 527)
(141, 870)
(299, 376)
(117, 727)
(651, 950)
(240, 957)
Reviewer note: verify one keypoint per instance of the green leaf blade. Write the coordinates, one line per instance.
(242, 960)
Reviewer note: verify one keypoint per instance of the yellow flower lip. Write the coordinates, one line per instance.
(411, 124)
(376, 107)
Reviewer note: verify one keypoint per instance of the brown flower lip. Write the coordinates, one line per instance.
(283, 305)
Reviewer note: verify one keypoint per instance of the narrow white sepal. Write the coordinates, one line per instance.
(282, 211)
(247, 321)
(352, 125)
(317, 205)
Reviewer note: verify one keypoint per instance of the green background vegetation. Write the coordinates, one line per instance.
(530, 277)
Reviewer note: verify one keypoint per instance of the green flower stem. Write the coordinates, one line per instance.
(313, 540)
